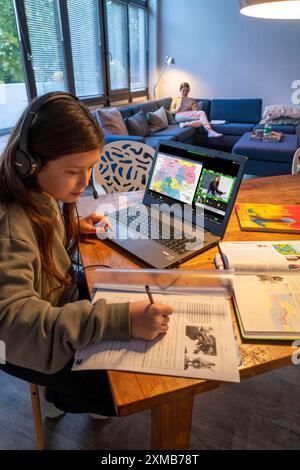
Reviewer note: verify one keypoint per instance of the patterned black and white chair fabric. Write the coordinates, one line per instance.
(296, 162)
(123, 166)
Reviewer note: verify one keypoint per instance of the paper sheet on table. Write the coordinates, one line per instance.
(200, 342)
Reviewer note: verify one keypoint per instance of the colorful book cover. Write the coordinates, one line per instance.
(268, 217)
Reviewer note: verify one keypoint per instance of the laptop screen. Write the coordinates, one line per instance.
(196, 178)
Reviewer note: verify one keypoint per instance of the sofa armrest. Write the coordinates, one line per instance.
(114, 138)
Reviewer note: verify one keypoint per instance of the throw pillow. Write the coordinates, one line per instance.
(157, 120)
(281, 111)
(171, 118)
(111, 122)
(137, 124)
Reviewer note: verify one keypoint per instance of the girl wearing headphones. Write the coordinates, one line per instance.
(49, 158)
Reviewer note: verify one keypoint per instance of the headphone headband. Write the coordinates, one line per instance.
(25, 164)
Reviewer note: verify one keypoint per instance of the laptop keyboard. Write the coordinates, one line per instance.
(162, 233)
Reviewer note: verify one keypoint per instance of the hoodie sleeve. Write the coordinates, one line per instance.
(38, 335)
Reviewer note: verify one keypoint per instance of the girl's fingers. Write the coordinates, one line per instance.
(104, 222)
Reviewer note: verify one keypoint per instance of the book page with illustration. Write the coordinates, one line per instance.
(200, 341)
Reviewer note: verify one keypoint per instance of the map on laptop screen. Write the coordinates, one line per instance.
(176, 178)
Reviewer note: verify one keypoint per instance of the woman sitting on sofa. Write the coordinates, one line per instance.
(187, 113)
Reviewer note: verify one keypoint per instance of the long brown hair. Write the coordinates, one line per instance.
(61, 127)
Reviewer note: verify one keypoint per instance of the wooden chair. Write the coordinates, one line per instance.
(123, 166)
(296, 162)
(37, 416)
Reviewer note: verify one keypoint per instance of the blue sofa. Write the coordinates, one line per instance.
(173, 132)
(241, 116)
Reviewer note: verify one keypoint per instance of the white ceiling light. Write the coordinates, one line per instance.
(273, 9)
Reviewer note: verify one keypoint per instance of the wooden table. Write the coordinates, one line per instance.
(171, 398)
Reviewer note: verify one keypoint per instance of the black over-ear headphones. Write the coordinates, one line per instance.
(25, 163)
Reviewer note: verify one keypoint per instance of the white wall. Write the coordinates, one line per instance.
(224, 54)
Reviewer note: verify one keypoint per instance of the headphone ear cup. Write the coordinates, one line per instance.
(26, 165)
(36, 164)
(22, 164)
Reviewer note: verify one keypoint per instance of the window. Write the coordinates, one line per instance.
(96, 49)
(13, 96)
(46, 42)
(86, 47)
(116, 14)
(138, 48)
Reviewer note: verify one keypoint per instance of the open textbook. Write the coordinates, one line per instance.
(266, 287)
(261, 256)
(268, 305)
(200, 342)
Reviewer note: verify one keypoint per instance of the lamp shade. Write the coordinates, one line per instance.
(273, 9)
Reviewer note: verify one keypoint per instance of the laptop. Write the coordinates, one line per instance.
(188, 200)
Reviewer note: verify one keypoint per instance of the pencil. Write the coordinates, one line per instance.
(149, 294)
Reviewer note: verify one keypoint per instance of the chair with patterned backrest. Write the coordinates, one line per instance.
(296, 162)
(124, 165)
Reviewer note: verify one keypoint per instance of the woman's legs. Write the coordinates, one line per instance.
(196, 119)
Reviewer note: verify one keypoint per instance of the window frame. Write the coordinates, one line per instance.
(122, 92)
(109, 95)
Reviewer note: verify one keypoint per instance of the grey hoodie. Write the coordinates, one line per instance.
(43, 334)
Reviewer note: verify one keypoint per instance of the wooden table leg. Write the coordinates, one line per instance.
(171, 425)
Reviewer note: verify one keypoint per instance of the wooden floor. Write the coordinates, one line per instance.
(260, 413)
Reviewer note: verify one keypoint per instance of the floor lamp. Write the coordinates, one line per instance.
(168, 61)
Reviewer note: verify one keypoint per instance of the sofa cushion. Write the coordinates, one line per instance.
(111, 122)
(137, 124)
(165, 102)
(177, 132)
(148, 107)
(205, 105)
(127, 111)
(284, 129)
(157, 120)
(247, 111)
(233, 128)
(153, 141)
